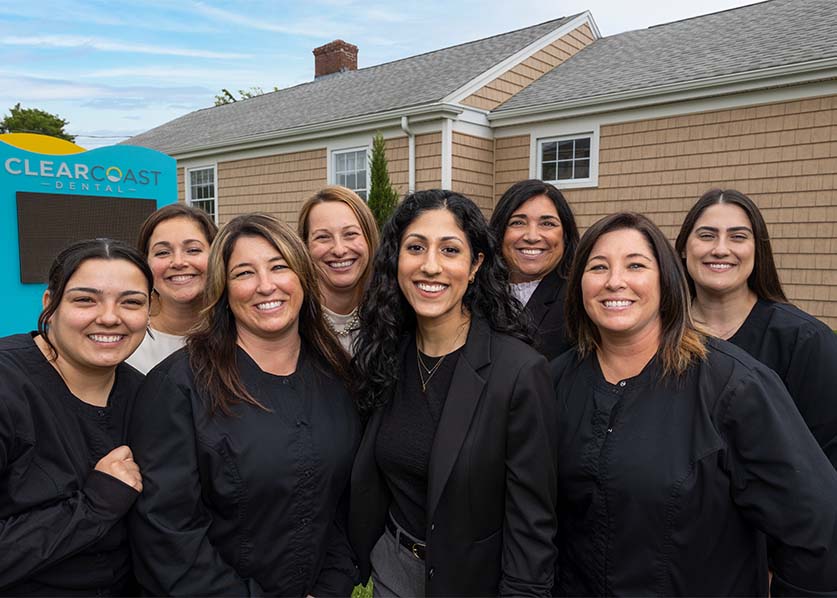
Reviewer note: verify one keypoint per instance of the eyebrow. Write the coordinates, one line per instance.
(273, 259)
(423, 238)
(544, 217)
(94, 291)
(715, 229)
(167, 244)
(630, 256)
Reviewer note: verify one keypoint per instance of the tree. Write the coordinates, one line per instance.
(32, 120)
(382, 196)
(226, 97)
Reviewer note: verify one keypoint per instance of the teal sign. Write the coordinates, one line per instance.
(53, 193)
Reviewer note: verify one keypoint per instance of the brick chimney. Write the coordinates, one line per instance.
(335, 57)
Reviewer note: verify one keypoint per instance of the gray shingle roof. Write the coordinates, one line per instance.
(768, 34)
(414, 81)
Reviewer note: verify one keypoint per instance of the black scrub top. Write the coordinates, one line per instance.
(803, 351)
(249, 504)
(665, 485)
(62, 530)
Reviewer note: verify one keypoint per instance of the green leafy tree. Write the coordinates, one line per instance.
(32, 120)
(382, 197)
(227, 97)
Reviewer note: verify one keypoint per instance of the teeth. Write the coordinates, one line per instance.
(719, 266)
(343, 264)
(105, 338)
(431, 288)
(181, 277)
(619, 303)
(268, 305)
(531, 251)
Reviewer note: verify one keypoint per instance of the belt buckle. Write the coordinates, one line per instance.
(418, 550)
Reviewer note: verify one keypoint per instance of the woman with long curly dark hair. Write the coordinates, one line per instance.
(453, 484)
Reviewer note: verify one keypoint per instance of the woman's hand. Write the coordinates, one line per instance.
(120, 464)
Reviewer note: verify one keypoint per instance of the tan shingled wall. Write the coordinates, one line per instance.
(398, 164)
(274, 184)
(783, 155)
(512, 81)
(511, 162)
(428, 161)
(472, 169)
(181, 187)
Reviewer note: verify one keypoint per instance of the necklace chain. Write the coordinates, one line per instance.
(425, 380)
(350, 325)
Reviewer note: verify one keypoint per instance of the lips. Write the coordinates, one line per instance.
(617, 304)
(342, 264)
(106, 339)
(719, 266)
(531, 251)
(431, 287)
(268, 305)
(181, 278)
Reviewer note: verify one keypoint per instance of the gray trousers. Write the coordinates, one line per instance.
(396, 572)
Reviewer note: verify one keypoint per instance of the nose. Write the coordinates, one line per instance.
(431, 266)
(531, 235)
(615, 279)
(178, 258)
(108, 314)
(720, 248)
(339, 247)
(266, 285)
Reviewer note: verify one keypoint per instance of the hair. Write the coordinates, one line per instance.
(680, 342)
(68, 262)
(521, 192)
(364, 216)
(212, 344)
(385, 315)
(764, 279)
(175, 210)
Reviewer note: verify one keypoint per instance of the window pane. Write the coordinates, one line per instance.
(582, 169)
(548, 173)
(351, 180)
(549, 149)
(582, 148)
(362, 194)
(341, 179)
(565, 170)
(565, 150)
(341, 163)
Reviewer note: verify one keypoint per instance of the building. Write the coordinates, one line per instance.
(645, 120)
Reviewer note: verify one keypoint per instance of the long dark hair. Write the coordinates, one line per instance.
(386, 316)
(212, 345)
(680, 342)
(764, 279)
(521, 192)
(70, 259)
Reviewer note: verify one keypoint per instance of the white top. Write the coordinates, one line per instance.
(338, 324)
(154, 350)
(523, 291)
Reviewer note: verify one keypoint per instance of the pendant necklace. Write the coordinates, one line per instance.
(426, 373)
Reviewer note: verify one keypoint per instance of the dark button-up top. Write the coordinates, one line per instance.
(247, 504)
(664, 486)
(62, 530)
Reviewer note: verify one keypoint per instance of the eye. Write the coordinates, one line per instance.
(162, 253)
(134, 303)
(550, 224)
(321, 238)
(597, 268)
(352, 235)
(414, 248)
(194, 251)
(516, 222)
(83, 299)
(452, 250)
(279, 267)
(242, 274)
(636, 266)
(705, 236)
(740, 237)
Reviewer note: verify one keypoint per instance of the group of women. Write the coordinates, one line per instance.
(677, 444)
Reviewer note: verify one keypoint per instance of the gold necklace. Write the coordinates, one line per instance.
(432, 370)
(352, 324)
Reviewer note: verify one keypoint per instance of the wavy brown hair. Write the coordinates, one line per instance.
(212, 346)
(680, 341)
(764, 279)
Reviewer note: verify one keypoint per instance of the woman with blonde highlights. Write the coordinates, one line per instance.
(676, 452)
(341, 235)
(246, 436)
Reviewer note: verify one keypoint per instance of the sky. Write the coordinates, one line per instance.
(115, 69)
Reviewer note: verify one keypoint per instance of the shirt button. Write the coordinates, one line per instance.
(432, 526)
(431, 572)
(622, 383)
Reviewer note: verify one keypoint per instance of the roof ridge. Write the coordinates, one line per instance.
(709, 14)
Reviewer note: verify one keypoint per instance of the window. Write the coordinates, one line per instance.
(200, 190)
(350, 170)
(564, 159)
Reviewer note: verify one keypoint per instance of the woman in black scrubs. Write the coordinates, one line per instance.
(66, 477)
(246, 436)
(676, 452)
(537, 231)
(737, 296)
(453, 484)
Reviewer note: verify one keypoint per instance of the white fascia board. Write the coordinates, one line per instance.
(391, 118)
(512, 61)
(474, 122)
(676, 92)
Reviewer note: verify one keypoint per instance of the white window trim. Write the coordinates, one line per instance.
(333, 153)
(559, 132)
(187, 182)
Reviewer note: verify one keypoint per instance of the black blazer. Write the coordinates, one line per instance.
(546, 306)
(491, 488)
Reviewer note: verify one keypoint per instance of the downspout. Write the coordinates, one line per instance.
(411, 153)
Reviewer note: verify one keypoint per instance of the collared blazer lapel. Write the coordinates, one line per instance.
(463, 397)
(544, 296)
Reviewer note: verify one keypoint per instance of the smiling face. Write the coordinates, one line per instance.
(337, 246)
(721, 249)
(177, 254)
(434, 267)
(264, 294)
(533, 243)
(102, 315)
(621, 286)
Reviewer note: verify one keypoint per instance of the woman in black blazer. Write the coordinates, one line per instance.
(453, 484)
(538, 234)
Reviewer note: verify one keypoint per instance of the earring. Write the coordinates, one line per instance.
(472, 279)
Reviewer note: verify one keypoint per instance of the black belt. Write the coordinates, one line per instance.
(417, 548)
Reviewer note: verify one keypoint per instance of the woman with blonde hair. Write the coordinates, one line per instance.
(340, 232)
(246, 435)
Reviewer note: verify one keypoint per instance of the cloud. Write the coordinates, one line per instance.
(105, 45)
(317, 27)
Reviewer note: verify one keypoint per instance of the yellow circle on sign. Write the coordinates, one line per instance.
(41, 144)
